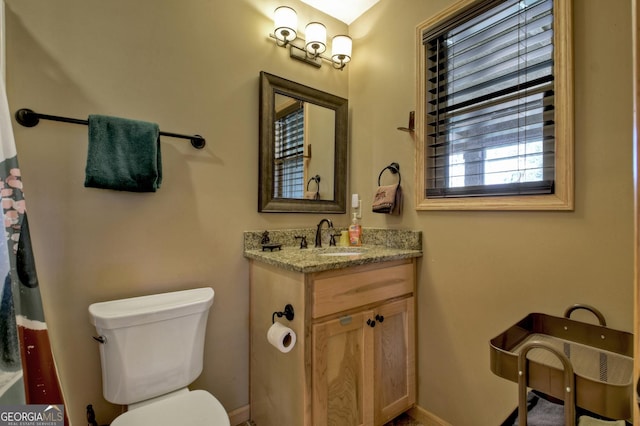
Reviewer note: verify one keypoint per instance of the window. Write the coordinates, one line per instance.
(289, 152)
(496, 102)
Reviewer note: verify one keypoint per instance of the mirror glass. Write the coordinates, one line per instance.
(303, 148)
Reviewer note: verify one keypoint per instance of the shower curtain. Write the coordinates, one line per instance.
(27, 370)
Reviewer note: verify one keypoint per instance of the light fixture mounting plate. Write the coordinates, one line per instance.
(301, 55)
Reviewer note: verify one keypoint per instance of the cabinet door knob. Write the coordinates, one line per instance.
(380, 318)
(371, 323)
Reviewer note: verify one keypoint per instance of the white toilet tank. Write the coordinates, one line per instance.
(153, 344)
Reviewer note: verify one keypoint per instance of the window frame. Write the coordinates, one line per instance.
(563, 196)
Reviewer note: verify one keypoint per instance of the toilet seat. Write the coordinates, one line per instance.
(195, 408)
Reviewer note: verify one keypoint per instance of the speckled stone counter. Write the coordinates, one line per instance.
(379, 245)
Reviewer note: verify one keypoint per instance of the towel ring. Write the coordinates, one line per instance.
(316, 178)
(393, 168)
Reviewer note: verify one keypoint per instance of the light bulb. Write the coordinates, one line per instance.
(341, 50)
(285, 23)
(315, 35)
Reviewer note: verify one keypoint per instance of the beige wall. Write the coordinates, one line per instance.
(321, 162)
(192, 67)
(483, 271)
(187, 66)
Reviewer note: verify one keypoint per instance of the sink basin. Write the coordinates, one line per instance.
(340, 251)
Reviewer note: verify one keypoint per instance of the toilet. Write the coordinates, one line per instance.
(151, 350)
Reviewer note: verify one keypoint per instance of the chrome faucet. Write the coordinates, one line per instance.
(319, 233)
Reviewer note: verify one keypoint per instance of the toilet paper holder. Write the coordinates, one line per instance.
(287, 313)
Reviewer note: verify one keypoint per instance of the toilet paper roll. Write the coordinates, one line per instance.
(281, 337)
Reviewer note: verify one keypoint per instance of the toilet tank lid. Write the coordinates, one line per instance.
(152, 308)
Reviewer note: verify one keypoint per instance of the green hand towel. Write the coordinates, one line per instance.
(123, 155)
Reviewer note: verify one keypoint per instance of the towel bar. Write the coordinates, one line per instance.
(394, 168)
(30, 118)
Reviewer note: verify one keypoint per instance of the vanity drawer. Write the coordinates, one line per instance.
(336, 291)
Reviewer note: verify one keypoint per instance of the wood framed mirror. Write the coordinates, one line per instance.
(303, 148)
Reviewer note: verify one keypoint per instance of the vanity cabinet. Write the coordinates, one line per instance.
(364, 374)
(354, 360)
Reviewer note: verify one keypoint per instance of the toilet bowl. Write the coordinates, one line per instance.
(151, 349)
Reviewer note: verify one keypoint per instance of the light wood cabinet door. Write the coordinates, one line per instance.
(394, 361)
(364, 366)
(342, 364)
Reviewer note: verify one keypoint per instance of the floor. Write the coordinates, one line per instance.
(402, 420)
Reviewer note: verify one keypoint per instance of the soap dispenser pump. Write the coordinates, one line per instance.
(355, 231)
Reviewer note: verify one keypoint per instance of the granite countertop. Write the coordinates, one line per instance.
(380, 245)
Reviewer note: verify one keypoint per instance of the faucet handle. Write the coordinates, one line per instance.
(332, 239)
(303, 241)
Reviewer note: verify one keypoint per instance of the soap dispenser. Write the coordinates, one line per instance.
(355, 231)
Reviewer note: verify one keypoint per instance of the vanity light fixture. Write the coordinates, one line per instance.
(285, 21)
(315, 37)
(341, 51)
(314, 44)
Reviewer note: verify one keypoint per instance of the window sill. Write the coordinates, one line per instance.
(528, 202)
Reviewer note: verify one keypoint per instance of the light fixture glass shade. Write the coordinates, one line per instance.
(285, 23)
(315, 35)
(341, 49)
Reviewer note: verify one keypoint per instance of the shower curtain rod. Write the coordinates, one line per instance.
(30, 118)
